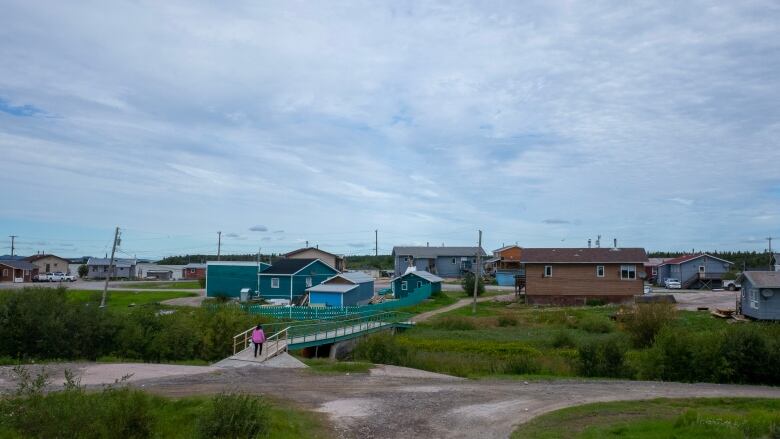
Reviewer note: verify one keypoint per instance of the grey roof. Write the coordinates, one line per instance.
(763, 279)
(288, 266)
(332, 288)
(425, 252)
(357, 277)
(583, 255)
(17, 264)
(423, 274)
(194, 265)
(118, 262)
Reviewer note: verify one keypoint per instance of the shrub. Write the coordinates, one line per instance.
(595, 324)
(455, 323)
(646, 322)
(202, 282)
(562, 339)
(233, 416)
(505, 320)
(602, 358)
(83, 271)
(380, 348)
(594, 302)
(468, 285)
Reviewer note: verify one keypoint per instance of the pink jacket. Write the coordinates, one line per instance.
(258, 336)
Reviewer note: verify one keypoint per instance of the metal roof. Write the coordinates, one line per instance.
(421, 273)
(583, 255)
(332, 288)
(301, 250)
(686, 258)
(763, 279)
(194, 265)
(288, 266)
(34, 258)
(425, 252)
(17, 264)
(118, 262)
(357, 277)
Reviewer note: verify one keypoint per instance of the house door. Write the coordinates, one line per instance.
(48, 268)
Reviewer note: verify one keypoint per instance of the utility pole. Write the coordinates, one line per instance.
(219, 244)
(13, 238)
(768, 239)
(110, 268)
(376, 242)
(258, 271)
(476, 274)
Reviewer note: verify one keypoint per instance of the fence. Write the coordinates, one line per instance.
(330, 313)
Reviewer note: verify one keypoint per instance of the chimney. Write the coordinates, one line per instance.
(598, 241)
(589, 242)
(614, 241)
(427, 244)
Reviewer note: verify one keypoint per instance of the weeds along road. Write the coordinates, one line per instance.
(391, 402)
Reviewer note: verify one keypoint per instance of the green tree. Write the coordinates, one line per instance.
(83, 270)
(468, 285)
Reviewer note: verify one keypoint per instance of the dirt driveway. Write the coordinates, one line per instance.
(709, 299)
(393, 402)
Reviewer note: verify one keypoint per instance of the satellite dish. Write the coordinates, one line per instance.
(766, 294)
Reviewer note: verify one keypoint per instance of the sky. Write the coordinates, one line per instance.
(541, 123)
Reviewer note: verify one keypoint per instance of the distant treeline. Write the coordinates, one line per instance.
(381, 262)
(741, 259)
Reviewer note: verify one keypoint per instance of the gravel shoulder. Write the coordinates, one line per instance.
(369, 405)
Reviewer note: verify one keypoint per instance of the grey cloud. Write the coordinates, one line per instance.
(556, 221)
(258, 228)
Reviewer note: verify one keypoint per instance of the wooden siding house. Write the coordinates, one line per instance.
(571, 276)
(48, 263)
(16, 270)
(698, 271)
(336, 261)
(441, 261)
(413, 279)
(346, 289)
(289, 278)
(228, 278)
(193, 271)
(121, 269)
(506, 265)
(760, 295)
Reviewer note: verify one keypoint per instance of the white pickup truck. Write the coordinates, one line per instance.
(731, 285)
(57, 276)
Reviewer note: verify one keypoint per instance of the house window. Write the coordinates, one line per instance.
(406, 258)
(404, 285)
(548, 271)
(5, 272)
(274, 282)
(308, 282)
(94, 268)
(599, 271)
(454, 261)
(754, 298)
(628, 272)
(655, 271)
(419, 284)
(105, 269)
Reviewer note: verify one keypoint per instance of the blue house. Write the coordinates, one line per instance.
(228, 278)
(346, 289)
(700, 271)
(441, 261)
(760, 295)
(289, 278)
(406, 283)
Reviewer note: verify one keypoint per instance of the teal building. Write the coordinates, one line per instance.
(289, 278)
(406, 283)
(227, 278)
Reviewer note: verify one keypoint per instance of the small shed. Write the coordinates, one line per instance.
(760, 295)
(346, 289)
(412, 280)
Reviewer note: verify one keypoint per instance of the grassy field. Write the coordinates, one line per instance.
(121, 300)
(514, 340)
(706, 418)
(157, 285)
(323, 365)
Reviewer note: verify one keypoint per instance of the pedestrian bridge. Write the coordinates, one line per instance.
(294, 335)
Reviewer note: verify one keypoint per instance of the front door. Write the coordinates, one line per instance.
(48, 268)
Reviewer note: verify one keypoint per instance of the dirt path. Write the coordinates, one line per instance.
(460, 304)
(394, 402)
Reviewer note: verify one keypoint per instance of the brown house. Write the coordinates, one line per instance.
(193, 271)
(571, 276)
(47, 263)
(16, 271)
(335, 261)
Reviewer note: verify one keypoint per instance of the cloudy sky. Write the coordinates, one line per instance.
(276, 122)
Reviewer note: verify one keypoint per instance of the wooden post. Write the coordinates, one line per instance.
(476, 275)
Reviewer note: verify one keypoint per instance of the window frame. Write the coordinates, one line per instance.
(600, 271)
(274, 282)
(630, 270)
(419, 283)
(548, 271)
(404, 285)
(309, 282)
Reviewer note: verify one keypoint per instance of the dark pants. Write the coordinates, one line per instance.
(258, 348)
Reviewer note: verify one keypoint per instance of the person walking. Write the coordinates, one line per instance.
(258, 337)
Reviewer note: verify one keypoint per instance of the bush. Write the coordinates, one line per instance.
(455, 323)
(234, 416)
(381, 349)
(594, 302)
(563, 339)
(505, 320)
(647, 321)
(202, 282)
(468, 285)
(603, 358)
(595, 324)
(83, 271)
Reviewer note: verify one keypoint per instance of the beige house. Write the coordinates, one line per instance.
(46, 263)
(335, 261)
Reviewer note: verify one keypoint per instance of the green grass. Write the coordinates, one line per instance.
(322, 365)
(180, 285)
(121, 300)
(706, 418)
(445, 298)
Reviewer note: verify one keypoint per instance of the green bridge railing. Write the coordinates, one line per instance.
(329, 313)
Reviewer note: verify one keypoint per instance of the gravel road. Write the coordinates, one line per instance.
(393, 402)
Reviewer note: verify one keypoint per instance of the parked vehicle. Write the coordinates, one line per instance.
(672, 284)
(69, 278)
(43, 277)
(57, 276)
(648, 289)
(731, 285)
